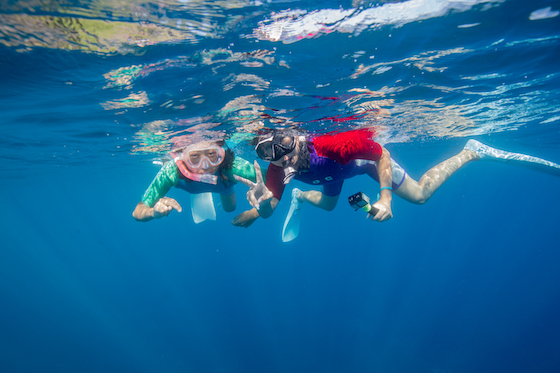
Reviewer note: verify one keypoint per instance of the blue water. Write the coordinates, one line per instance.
(93, 93)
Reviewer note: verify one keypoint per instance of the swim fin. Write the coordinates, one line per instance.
(202, 207)
(291, 225)
(486, 152)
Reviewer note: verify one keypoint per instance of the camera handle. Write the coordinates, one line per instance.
(370, 209)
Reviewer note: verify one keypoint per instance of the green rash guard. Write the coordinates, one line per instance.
(168, 177)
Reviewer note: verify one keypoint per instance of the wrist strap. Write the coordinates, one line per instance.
(387, 187)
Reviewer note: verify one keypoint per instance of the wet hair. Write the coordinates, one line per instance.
(304, 158)
(268, 132)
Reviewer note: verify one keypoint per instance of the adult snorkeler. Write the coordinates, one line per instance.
(328, 160)
(323, 160)
(200, 168)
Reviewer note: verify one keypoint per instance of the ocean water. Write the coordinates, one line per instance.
(94, 94)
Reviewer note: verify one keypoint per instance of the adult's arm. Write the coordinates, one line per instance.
(259, 196)
(318, 199)
(385, 175)
(246, 218)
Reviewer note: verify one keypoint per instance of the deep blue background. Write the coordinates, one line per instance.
(465, 283)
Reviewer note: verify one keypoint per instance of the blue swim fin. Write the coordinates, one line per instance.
(291, 225)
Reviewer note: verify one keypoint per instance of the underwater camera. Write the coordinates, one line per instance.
(361, 201)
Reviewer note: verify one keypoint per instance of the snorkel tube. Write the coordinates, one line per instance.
(289, 172)
(203, 178)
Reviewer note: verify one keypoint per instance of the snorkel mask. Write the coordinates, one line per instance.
(199, 157)
(272, 149)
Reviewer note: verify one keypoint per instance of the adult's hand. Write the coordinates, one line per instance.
(245, 219)
(384, 212)
(258, 194)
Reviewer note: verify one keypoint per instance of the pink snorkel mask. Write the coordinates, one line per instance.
(203, 157)
(199, 158)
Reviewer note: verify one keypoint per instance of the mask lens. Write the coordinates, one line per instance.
(272, 149)
(265, 149)
(280, 151)
(212, 156)
(194, 158)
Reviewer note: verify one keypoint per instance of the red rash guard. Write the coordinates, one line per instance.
(341, 148)
(344, 147)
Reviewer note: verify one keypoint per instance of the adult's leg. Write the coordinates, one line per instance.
(315, 198)
(318, 199)
(420, 191)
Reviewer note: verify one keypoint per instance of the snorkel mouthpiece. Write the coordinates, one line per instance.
(206, 178)
(289, 172)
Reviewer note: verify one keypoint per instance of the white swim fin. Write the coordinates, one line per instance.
(202, 207)
(486, 152)
(291, 225)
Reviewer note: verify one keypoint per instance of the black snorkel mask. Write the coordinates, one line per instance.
(272, 149)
